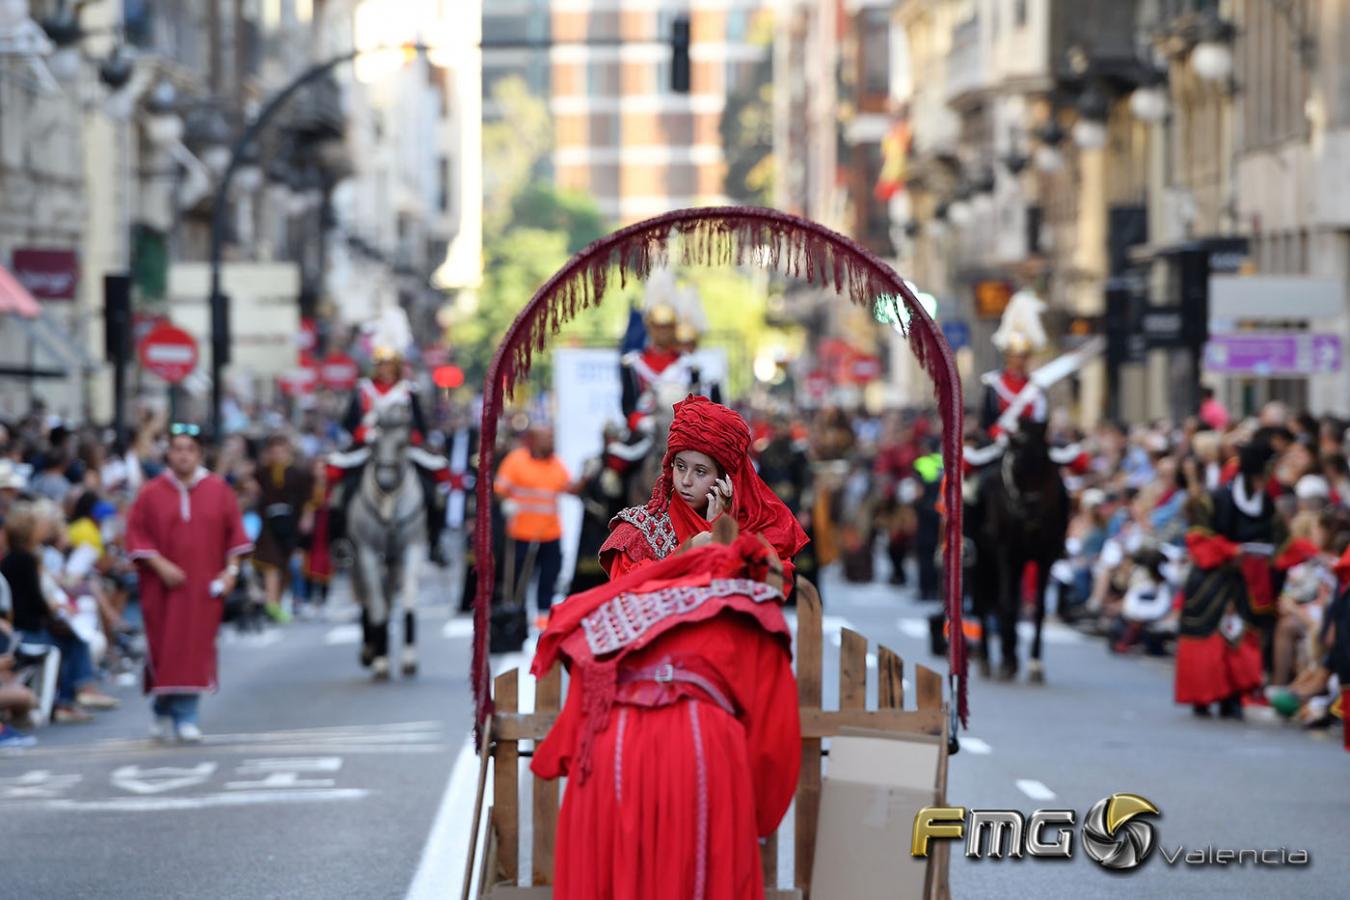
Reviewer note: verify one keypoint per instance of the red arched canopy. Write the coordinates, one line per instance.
(790, 245)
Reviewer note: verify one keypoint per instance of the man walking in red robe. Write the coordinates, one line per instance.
(186, 535)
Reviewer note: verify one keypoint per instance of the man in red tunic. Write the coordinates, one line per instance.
(185, 533)
(680, 736)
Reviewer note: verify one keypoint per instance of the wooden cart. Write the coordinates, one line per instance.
(500, 873)
(798, 248)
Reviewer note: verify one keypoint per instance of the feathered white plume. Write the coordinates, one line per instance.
(689, 307)
(1022, 318)
(392, 330)
(661, 290)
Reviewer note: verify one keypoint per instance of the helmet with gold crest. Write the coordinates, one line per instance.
(1020, 332)
(390, 337)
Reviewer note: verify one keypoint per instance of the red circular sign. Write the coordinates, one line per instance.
(297, 381)
(448, 377)
(169, 352)
(339, 372)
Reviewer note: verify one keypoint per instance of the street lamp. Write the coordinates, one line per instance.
(1148, 103)
(1212, 57)
(164, 126)
(1089, 132)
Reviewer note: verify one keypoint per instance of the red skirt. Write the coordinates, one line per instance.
(1210, 669)
(652, 824)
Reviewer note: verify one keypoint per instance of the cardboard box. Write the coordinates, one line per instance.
(874, 786)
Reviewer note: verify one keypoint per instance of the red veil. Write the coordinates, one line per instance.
(707, 427)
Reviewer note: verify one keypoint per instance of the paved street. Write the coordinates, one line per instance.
(315, 782)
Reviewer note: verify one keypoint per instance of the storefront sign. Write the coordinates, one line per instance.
(47, 274)
(1269, 355)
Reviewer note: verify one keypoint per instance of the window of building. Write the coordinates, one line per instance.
(876, 50)
(606, 129)
(1019, 13)
(738, 25)
(603, 79)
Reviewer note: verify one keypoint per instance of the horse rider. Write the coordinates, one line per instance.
(1019, 334)
(644, 372)
(388, 394)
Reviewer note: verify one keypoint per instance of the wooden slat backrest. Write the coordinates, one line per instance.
(505, 784)
(547, 698)
(810, 646)
(509, 727)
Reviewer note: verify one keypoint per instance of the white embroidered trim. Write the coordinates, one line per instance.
(618, 755)
(622, 620)
(658, 531)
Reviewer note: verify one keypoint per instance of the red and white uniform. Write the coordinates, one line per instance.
(1001, 390)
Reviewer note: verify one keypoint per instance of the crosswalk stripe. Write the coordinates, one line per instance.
(975, 745)
(1035, 789)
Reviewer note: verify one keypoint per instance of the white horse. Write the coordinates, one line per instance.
(387, 525)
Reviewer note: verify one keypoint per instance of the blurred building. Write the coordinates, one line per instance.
(1163, 172)
(116, 120)
(622, 132)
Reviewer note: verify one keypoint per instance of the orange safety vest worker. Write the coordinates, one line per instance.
(531, 488)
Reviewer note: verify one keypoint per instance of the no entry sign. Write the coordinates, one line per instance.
(338, 372)
(169, 352)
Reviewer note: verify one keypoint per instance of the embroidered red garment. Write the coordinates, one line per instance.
(1209, 550)
(642, 534)
(680, 734)
(198, 529)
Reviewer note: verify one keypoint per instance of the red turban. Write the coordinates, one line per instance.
(707, 427)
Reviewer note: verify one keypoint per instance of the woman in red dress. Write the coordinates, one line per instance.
(680, 735)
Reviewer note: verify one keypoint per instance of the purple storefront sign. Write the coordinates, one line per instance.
(1267, 355)
(49, 274)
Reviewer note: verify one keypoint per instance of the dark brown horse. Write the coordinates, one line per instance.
(1021, 516)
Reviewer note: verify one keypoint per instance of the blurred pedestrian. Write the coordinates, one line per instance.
(530, 480)
(1212, 412)
(186, 532)
(285, 502)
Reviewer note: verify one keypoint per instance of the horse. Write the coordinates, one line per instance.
(1020, 516)
(389, 534)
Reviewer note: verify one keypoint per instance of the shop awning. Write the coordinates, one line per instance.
(14, 297)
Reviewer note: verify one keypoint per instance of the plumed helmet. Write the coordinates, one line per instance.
(1020, 331)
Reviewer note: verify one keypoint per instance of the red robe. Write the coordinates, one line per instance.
(199, 530)
(671, 784)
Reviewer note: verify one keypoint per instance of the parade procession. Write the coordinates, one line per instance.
(650, 449)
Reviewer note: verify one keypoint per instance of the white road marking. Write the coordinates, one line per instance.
(915, 628)
(252, 641)
(458, 627)
(833, 628)
(975, 745)
(161, 780)
(285, 773)
(1035, 789)
(440, 873)
(343, 634)
(206, 801)
(1052, 633)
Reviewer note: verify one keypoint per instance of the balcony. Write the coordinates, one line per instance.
(967, 62)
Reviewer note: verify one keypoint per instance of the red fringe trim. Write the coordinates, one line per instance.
(717, 236)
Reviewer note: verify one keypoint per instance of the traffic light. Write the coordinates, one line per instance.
(679, 58)
(117, 322)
